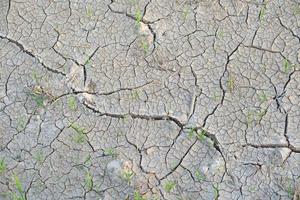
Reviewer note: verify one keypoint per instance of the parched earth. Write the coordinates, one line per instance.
(149, 99)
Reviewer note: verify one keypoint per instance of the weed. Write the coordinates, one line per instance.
(21, 123)
(220, 34)
(138, 196)
(35, 77)
(231, 83)
(39, 157)
(133, 2)
(145, 46)
(169, 186)
(216, 191)
(191, 133)
(127, 175)
(261, 114)
(138, 17)
(72, 103)
(88, 160)
(262, 97)
(19, 187)
(87, 62)
(250, 118)
(2, 166)
(286, 66)
(262, 13)
(89, 181)
(110, 152)
(199, 176)
(201, 135)
(135, 95)
(80, 136)
(89, 11)
(185, 12)
(296, 10)
(290, 191)
(38, 99)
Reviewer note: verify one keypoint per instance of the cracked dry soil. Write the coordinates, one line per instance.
(149, 99)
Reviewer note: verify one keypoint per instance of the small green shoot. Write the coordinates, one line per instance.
(262, 97)
(185, 12)
(127, 175)
(169, 186)
(110, 152)
(220, 34)
(199, 176)
(39, 157)
(201, 136)
(286, 66)
(19, 187)
(138, 17)
(35, 77)
(290, 191)
(145, 46)
(138, 196)
(262, 13)
(231, 83)
(216, 191)
(39, 99)
(21, 123)
(2, 166)
(296, 10)
(89, 181)
(72, 103)
(191, 133)
(88, 160)
(135, 95)
(80, 136)
(89, 11)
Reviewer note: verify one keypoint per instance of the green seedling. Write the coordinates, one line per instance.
(216, 191)
(133, 2)
(201, 135)
(231, 83)
(191, 133)
(38, 99)
(138, 196)
(286, 66)
(138, 17)
(89, 181)
(88, 62)
(261, 114)
(39, 157)
(262, 13)
(88, 160)
(110, 152)
(216, 97)
(145, 46)
(220, 34)
(262, 97)
(2, 166)
(250, 118)
(89, 11)
(72, 103)
(20, 195)
(290, 191)
(80, 136)
(21, 123)
(35, 77)
(169, 186)
(135, 95)
(185, 12)
(127, 175)
(199, 176)
(296, 10)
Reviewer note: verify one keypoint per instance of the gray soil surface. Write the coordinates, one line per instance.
(149, 99)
